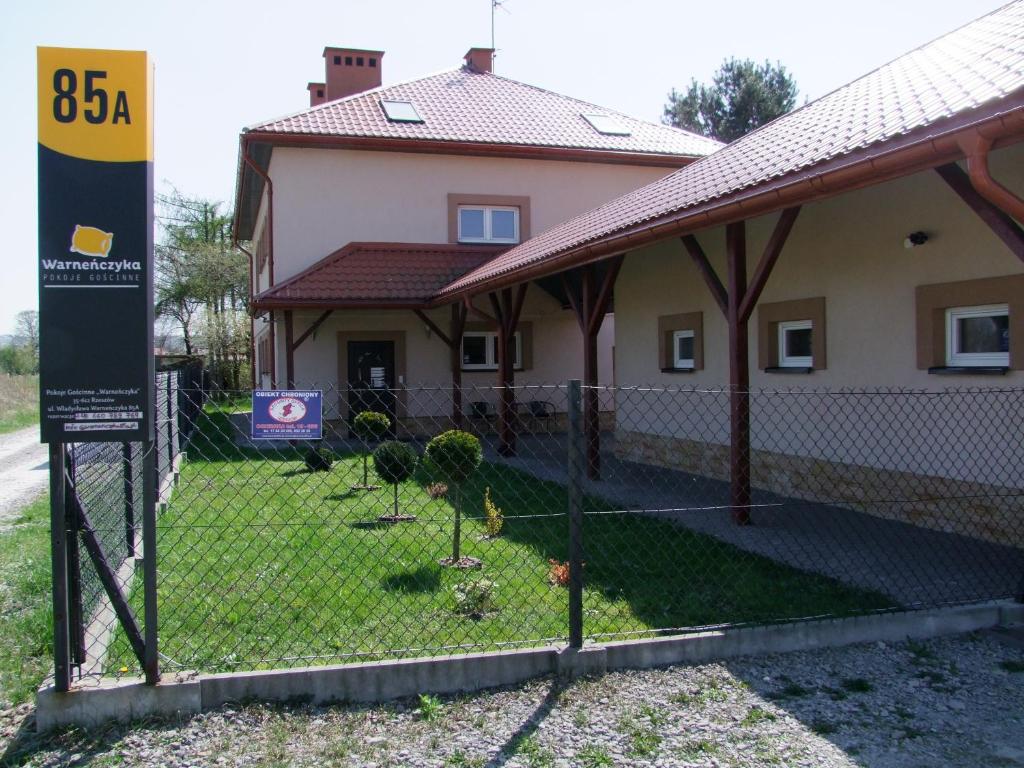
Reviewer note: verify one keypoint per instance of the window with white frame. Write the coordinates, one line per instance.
(682, 349)
(795, 344)
(488, 224)
(480, 351)
(978, 336)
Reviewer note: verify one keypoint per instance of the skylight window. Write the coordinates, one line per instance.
(609, 125)
(400, 111)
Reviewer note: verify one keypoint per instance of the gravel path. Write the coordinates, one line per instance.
(955, 701)
(23, 470)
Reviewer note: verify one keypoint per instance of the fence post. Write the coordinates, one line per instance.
(575, 492)
(76, 610)
(170, 421)
(127, 474)
(59, 568)
(150, 489)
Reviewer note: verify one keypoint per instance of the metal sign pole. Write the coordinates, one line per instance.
(59, 566)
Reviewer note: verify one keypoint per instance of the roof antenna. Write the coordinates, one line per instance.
(494, 5)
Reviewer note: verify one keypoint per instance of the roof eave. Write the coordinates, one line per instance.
(921, 149)
(451, 147)
(262, 305)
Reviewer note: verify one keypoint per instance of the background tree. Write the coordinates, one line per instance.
(21, 355)
(202, 284)
(26, 328)
(743, 95)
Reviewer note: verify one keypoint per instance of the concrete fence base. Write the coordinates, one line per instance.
(367, 682)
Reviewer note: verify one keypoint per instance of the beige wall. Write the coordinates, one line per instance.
(850, 250)
(324, 199)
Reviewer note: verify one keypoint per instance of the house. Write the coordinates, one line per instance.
(883, 228)
(363, 207)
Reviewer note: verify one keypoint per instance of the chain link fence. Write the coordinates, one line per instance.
(103, 513)
(597, 513)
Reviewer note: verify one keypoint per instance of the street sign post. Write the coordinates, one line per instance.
(95, 245)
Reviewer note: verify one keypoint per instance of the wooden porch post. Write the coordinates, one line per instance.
(453, 340)
(591, 306)
(739, 374)
(507, 309)
(457, 328)
(737, 302)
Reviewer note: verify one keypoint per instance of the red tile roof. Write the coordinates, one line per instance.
(464, 105)
(362, 274)
(979, 64)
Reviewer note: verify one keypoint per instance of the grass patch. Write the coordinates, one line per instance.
(699, 749)
(262, 562)
(1012, 665)
(594, 756)
(26, 610)
(756, 716)
(19, 402)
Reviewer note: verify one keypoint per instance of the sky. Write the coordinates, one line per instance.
(223, 65)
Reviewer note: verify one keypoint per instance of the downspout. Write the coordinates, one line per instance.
(270, 210)
(270, 254)
(976, 147)
(252, 321)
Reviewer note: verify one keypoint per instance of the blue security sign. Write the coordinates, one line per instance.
(279, 414)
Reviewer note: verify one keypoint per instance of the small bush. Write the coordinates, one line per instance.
(494, 517)
(371, 426)
(395, 462)
(455, 455)
(437, 490)
(474, 598)
(319, 460)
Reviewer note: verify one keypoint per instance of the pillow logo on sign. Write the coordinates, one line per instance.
(286, 410)
(90, 241)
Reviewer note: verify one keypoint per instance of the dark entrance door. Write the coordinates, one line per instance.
(371, 378)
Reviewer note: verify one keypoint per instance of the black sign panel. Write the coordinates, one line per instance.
(95, 246)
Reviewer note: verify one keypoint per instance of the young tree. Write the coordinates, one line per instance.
(202, 283)
(455, 455)
(743, 95)
(395, 462)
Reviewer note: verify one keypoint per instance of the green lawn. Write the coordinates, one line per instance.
(26, 639)
(19, 402)
(262, 563)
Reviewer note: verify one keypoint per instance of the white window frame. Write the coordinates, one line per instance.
(682, 363)
(487, 211)
(491, 344)
(973, 359)
(794, 361)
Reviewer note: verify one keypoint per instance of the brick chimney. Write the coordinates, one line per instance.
(480, 59)
(351, 70)
(317, 93)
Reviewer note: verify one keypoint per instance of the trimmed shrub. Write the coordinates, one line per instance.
(319, 460)
(369, 427)
(455, 454)
(395, 462)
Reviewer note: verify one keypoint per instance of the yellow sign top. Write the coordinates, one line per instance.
(96, 105)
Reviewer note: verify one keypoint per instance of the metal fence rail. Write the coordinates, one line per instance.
(608, 514)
